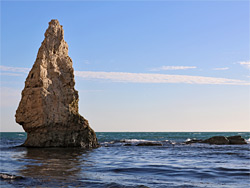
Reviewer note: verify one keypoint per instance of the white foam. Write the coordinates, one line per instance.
(135, 140)
(189, 139)
(112, 142)
(248, 140)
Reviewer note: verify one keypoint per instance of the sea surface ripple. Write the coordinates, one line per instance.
(120, 163)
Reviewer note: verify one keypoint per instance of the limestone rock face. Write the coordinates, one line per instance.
(48, 110)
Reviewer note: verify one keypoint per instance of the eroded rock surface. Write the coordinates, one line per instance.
(48, 110)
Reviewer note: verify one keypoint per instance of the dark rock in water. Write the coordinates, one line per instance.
(222, 140)
(193, 141)
(142, 186)
(218, 140)
(48, 110)
(127, 144)
(236, 140)
(4, 176)
(149, 144)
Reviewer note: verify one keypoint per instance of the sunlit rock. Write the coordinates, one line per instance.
(48, 110)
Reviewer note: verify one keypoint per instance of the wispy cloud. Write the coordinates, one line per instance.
(156, 78)
(10, 74)
(172, 68)
(245, 64)
(86, 62)
(142, 77)
(14, 69)
(223, 68)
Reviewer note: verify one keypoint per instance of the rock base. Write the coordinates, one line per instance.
(76, 133)
(82, 138)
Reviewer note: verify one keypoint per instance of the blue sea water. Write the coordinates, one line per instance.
(120, 163)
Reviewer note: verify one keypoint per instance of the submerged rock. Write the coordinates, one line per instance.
(128, 144)
(192, 141)
(48, 110)
(4, 176)
(149, 144)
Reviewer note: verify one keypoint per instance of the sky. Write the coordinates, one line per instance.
(139, 65)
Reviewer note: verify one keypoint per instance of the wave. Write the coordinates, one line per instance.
(248, 140)
(174, 171)
(140, 142)
(136, 140)
(188, 139)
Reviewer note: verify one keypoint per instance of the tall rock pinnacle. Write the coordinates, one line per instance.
(48, 110)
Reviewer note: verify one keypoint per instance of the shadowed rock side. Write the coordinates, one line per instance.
(48, 110)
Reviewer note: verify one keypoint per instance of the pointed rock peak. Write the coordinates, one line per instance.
(48, 110)
(54, 22)
(54, 40)
(55, 30)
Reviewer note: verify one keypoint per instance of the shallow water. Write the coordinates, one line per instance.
(115, 165)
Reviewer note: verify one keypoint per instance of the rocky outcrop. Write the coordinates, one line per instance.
(48, 110)
(236, 140)
(220, 140)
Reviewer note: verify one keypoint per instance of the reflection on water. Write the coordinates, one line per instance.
(57, 165)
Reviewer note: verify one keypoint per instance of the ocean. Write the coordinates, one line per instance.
(119, 163)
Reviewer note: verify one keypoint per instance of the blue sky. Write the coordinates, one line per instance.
(139, 65)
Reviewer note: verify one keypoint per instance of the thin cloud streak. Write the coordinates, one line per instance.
(245, 64)
(173, 68)
(10, 74)
(156, 78)
(127, 77)
(14, 69)
(223, 68)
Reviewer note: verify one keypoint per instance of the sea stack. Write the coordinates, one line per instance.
(48, 110)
